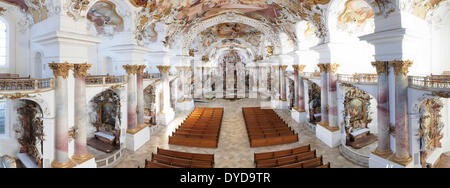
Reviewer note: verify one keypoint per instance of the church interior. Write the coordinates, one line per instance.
(224, 84)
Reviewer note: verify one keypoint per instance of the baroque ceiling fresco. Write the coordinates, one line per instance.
(357, 12)
(105, 18)
(35, 8)
(228, 33)
(181, 15)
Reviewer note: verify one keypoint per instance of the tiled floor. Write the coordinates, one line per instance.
(234, 149)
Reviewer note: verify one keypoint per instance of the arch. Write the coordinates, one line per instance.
(228, 17)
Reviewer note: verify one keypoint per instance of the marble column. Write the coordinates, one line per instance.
(401, 155)
(131, 98)
(332, 96)
(230, 80)
(299, 103)
(253, 82)
(240, 74)
(140, 94)
(81, 154)
(283, 82)
(61, 158)
(383, 148)
(275, 70)
(181, 83)
(198, 79)
(206, 81)
(165, 99)
(219, 82)
(324, 95)
(188, 83)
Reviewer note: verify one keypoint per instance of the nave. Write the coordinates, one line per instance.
(234, 149)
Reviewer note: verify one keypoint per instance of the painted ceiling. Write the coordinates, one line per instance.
(229, 32)
(181, 14)
(105, 18)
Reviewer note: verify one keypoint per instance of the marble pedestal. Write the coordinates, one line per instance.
(186, 105)
(330, 138)
(376, 161)
(166, 118)
(299, 117)
(87, 164)
(138, 139)
(279, 104)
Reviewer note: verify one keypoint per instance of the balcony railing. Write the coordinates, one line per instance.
(10, 85)
(105, 80)
(430, 82)
(311, 75)
(358, 78)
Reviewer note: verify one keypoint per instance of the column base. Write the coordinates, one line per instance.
(166, 117)
(279, 104)
(137, 138)
(376, 161)
(185, 105)
(84, 161)
(253, 94)
(328, 136)
(299, 116)
(67, 164)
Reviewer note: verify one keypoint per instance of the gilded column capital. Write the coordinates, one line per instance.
(60, 69)
(332, 67)
(131, 69)
(80, 70)
(381, 66)
(323, 67)
(400, 67)
(140, 69)
(283, 67)
(299, 68)
(163, 68)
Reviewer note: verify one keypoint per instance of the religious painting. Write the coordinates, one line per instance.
(106, 119)
(357, 118)
(431, 127)
(150, 105)
(105, 18)
(30, 130)
(357, 12)
(314, 103)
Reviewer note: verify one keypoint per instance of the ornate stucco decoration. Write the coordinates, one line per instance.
(2, 11)
(163, 68)
(299, 68)
(383, 7)
(75, 8)
(80, 70)
(131, 69)
(381, 66)
(60, 69)
(269, 51)
(401, 67)
(431, 127)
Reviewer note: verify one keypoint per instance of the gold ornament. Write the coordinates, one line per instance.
(381, 66)
(131, 69)
(80, 70)
(60, 69)
(163, 69)
(401, 67)
(299, 68)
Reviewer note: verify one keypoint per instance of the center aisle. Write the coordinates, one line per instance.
(234, 149)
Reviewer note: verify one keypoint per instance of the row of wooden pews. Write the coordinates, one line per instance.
(200, 129)
(301, 157)
(266, 128)
(175, 159)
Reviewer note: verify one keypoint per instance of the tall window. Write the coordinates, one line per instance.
(2, 117)
(3, 43)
